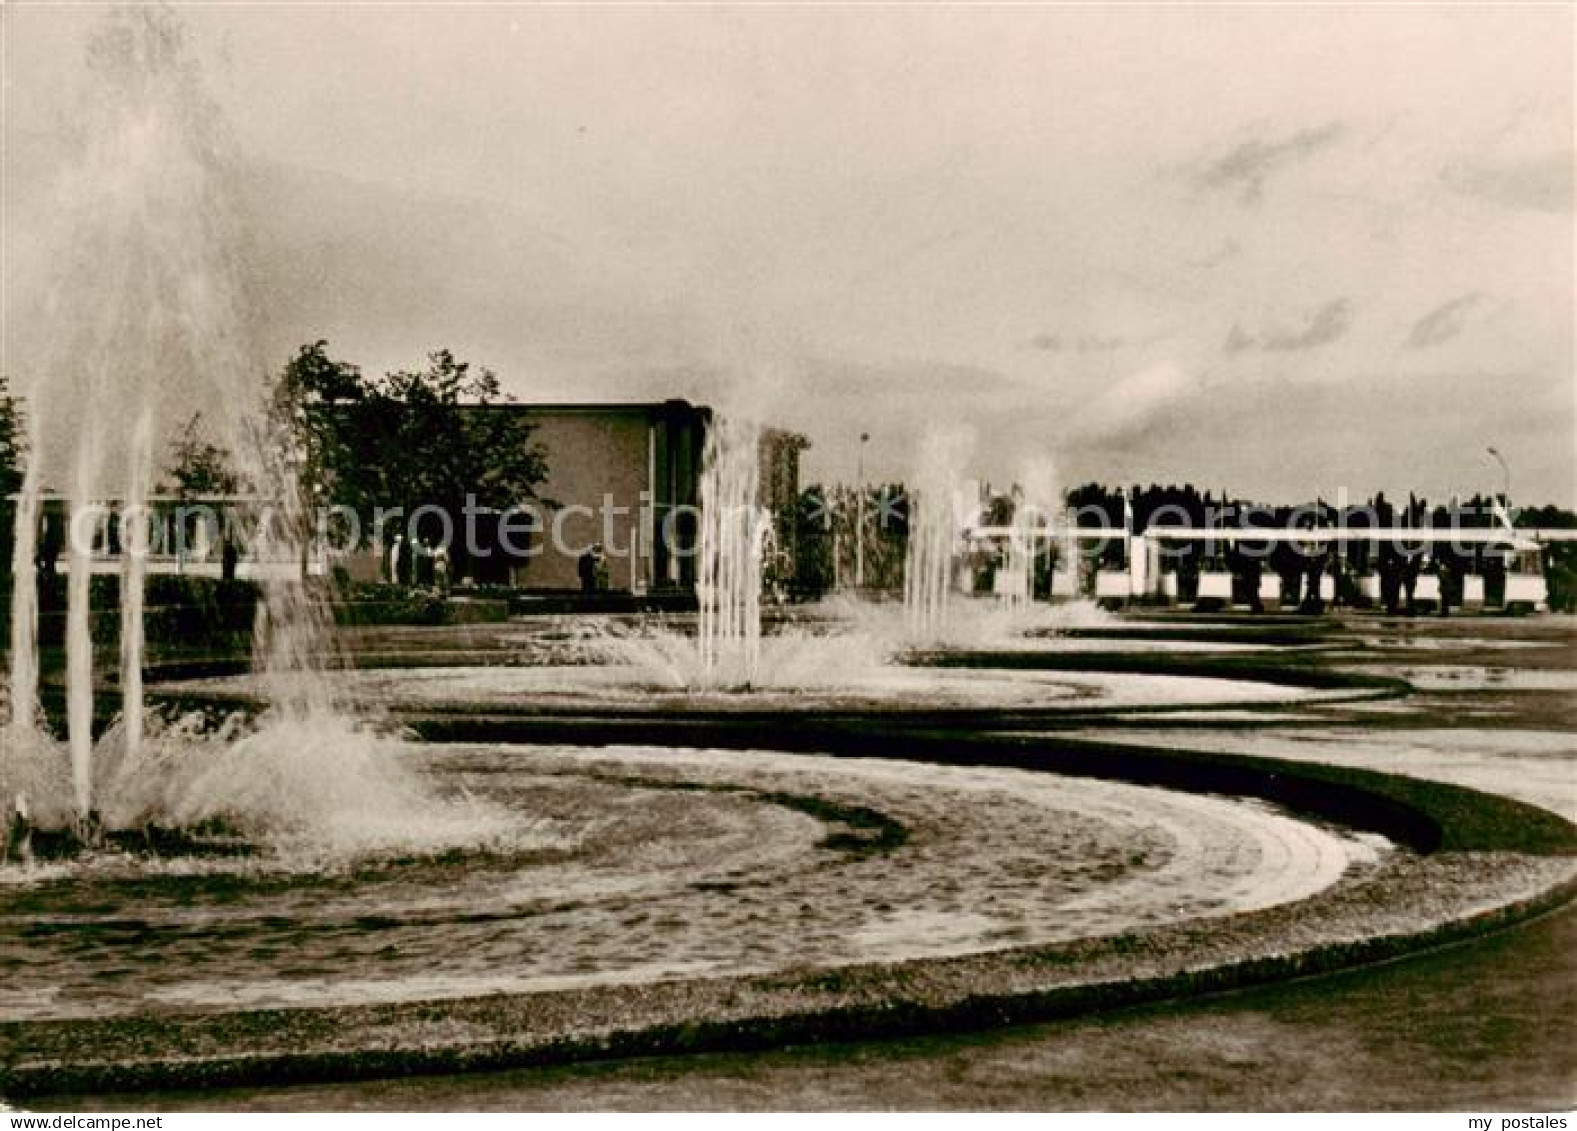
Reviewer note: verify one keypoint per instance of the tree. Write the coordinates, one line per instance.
(1559, 558)
(13, 452)
(13, 441)
(443, 434)
(201, 469)
(198, 467)
(313, 425)
(438, 438)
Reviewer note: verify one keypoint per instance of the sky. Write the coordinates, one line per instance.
(1285, 250)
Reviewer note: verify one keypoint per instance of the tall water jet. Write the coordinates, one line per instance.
(23, 684)
(142, 313)
(1035, 503)
(734, 528)
(938, 512)
(292, 633)
(139, 313)
(133, 576)
(1069, 580)
(86, 515)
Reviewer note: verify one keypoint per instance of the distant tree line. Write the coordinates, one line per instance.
(1301, 568)
(840, 537)
(13, 452)
(427, 437)
(830, 519)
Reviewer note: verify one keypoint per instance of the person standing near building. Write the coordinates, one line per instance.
(1412, 566)
(396, 554)
(441, 568)
(422, 563)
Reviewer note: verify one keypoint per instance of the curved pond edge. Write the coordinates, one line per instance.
(1478, 863)
(1297, 672)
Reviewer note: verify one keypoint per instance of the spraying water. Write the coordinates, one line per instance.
(935, 519)
(734, 529)
(1035, 504)
(23, 700)
(141, 313)
(133, 577)
(937, 514)
(1071, 566)
(79, 633)
(145, 313)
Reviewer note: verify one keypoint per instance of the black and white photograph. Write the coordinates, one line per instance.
(787, 557)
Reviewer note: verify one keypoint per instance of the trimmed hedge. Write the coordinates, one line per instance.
(372, 603)
(177, 610)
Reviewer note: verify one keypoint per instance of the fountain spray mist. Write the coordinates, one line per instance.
(1036, 504)
(133, 578)
(23, 698)
(79, 626)
(939, 508)
(145, 313)
(141, 314)
(734, 528)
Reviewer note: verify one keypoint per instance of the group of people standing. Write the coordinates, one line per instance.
(423, 563)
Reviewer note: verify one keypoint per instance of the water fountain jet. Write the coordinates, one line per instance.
(938, 513)
(145, 310)
(734, 529)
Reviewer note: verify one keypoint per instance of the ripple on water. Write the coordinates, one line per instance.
(685, 863)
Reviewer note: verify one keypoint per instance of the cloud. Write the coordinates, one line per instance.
(1228, 249)
(1237, 340)
(1136, 404)
(1442, 323)
(1082, 343)
(1324, 326)
(1538, 184)
(912, 381)
(1245, 168)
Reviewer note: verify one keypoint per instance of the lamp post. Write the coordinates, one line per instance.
(859, 520)
(1505, 481)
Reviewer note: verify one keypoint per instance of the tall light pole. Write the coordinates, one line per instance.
(859, 521)
(1505, 481)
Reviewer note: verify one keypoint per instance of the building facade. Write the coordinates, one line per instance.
(623, 481)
